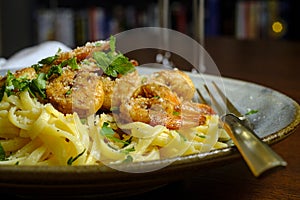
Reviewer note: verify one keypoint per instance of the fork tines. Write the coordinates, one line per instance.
(231, 108)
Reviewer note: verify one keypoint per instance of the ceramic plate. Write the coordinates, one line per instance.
(277, 117)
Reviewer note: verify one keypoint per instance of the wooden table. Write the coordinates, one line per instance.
(274, 64)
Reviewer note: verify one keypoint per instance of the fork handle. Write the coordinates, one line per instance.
(258, 155)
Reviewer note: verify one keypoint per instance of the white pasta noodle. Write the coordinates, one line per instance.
(32, 133)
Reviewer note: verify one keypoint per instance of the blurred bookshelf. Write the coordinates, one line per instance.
(74, 22)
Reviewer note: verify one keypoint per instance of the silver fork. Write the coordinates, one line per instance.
(258, 155)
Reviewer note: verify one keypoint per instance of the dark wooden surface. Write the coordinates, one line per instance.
(275, 64)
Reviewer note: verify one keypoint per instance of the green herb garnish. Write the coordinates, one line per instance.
(114, 108)
(127, 151)
(176, 113)
(127, 142)
(38, 85)
(68, 92)
(73, 63)
(113, 63)
(128, 159)
(182, 136)
(108, 132)
(200, 136)
(71, 159)
(251, 112)
(46, 61)
(14, 85)
(55, 69)
(49, 60)
(2, 153)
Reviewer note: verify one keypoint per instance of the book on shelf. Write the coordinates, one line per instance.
(56, 25)
(242, 19)
(261, 19)
(78, 26)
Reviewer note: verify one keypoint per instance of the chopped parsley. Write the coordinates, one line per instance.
(49, 60)
(113, 63)
(127, 151)
(46, 61)
(2, 153)
(73, 63)
(71, 159)
(251, 112)
(182, 136)
(14, 85)
(114, 108)
(200, 136)
(55, 69)
(108, 132)
(128, 159)
(68, 92)
(176, 113)
(38, 85)
(127, 142)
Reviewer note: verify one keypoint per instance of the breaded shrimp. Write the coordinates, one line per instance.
(108, 87)
(76, 91)
(27, 72)
(177, 80)
(156, 104)
(83, 52)
(149, 100)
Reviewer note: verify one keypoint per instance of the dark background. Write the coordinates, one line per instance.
(18, 18)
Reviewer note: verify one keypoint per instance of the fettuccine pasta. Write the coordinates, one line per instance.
(37, 134)
(90, 106)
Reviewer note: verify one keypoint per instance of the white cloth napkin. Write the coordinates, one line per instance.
(31, 55)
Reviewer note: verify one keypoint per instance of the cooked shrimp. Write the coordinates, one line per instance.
(147, 101)
(84, 90)
(83, 52)
(190, 115)
(73, 91)
(156, 104)
(177, 80)
(28, 73)
(108, 86)
(194, 114)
